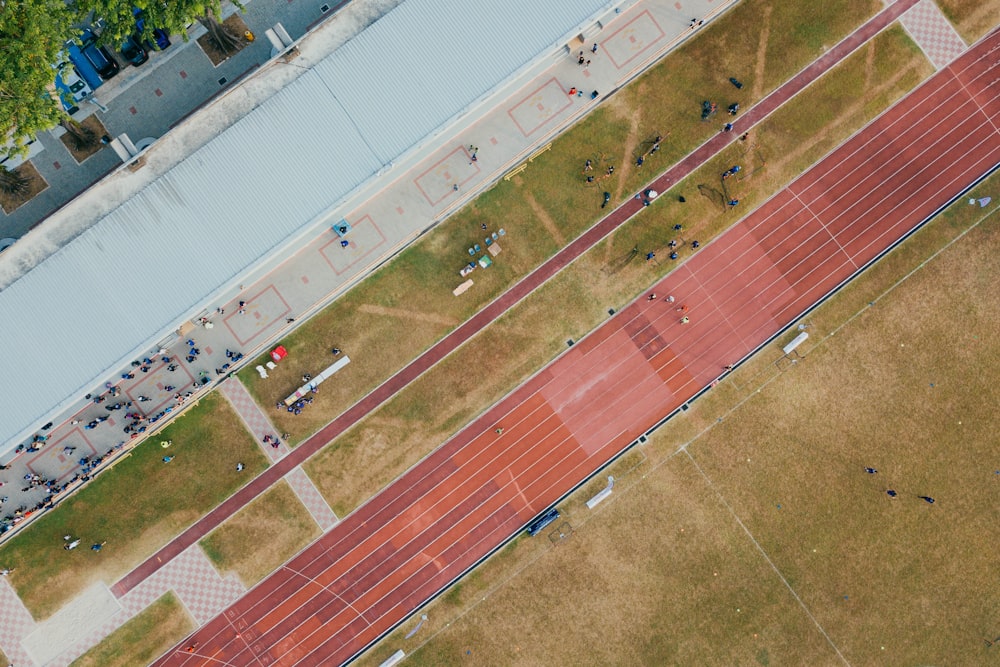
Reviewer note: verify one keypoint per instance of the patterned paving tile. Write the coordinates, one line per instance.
(311, 498)
(252, 416)
(198, 585)
(933, 33)
(15, 624)
(196, 582)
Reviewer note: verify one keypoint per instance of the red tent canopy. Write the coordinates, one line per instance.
(279, 353)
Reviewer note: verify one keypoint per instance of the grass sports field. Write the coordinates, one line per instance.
(746, 531)
(263, 535)
(136, 507)
(764, 42)
(390, 440)
(143, 638)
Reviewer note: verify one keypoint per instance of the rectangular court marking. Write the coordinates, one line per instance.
(154, 382)
(632, 39)
(365, 238)
(56, 446)
(539, 107)
(262, 310)
(439, 181)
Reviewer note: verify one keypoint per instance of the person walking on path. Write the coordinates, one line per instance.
(685, 320)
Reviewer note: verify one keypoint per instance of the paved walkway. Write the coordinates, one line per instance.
(292, 287)
(507, 300)
(933, 33)
(190, 575)
(260, 426)
(289, 463)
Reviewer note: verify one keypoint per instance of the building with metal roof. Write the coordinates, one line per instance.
(111, 294)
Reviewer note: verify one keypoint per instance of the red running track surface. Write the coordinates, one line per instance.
(468, 497)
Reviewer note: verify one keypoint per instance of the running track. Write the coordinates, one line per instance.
(468, 497)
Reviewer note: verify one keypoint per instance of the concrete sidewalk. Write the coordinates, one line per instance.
(306, 280)
(266, 306)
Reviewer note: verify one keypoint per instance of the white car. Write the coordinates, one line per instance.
(70, 84)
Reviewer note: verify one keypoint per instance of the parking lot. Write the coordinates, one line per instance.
(144, 102)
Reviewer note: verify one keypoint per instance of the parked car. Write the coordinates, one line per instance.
(161, 39)
(98, 56)
(133, 52)
(72, 88)
(83, 66)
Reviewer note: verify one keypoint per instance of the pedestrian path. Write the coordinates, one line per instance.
(311, 498)
(254, 418)
(16, 623)
(286, 465)
(513, 296)
(395, 211)
(260, 426)
(202, 591)
(933, 33)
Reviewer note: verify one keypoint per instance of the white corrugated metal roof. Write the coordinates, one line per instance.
(110, 294)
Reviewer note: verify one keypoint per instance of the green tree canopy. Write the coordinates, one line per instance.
(172, 16)
(32, 34)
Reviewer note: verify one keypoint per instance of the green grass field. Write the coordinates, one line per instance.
(136, 507)
(143, 638)
(747, 531)
(550, 203)
(524, 339)
(263, 535)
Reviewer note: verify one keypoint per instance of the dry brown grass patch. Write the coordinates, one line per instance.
(261, 536)
(36, 184)
(80, 153)
(142, 638)
(972, 18)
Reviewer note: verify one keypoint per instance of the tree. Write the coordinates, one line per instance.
(12, 182)
(172, 17)
(81, 137)
(32, 35)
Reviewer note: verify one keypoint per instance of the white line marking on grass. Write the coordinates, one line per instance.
(770, 562)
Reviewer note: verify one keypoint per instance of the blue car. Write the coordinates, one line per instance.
(83, 66)
(161, 39)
